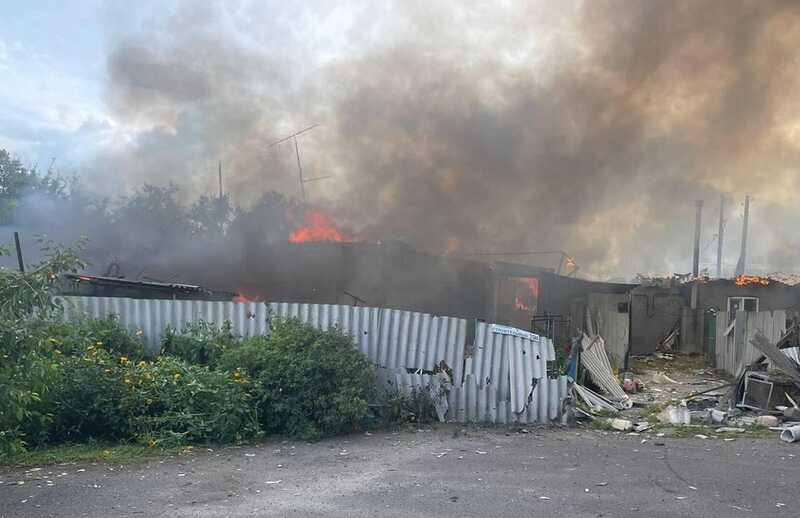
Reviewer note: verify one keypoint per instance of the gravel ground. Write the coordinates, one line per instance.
(445, 472)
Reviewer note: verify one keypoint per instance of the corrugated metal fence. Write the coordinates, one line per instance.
(733, 350)
(505, 380)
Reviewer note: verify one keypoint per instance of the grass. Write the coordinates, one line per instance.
(602, 425)
(114, 453)
(686, 363)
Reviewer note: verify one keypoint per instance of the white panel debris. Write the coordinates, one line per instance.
(595, 360)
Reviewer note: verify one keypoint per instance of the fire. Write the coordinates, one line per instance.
(241, 298)
(527, 301)
(520, 305)
(319, 226)
(748, 280)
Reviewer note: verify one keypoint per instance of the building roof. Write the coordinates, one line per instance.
(160, 289)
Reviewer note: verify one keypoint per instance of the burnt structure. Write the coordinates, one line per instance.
(100, 286)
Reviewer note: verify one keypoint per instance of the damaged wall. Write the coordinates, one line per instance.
(733, 348)
(655, 311)
(776, 295)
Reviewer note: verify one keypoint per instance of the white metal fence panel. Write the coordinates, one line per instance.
(505, 381)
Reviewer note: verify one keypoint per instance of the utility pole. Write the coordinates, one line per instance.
(720, 235)
(220, 180)
(740, 266)
(698, 219)
(697, 223)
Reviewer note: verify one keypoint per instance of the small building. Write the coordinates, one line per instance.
(659, 307)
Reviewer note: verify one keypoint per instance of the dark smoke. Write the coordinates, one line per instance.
(589, 128)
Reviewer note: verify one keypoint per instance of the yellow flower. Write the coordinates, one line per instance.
(123, 360)
(148, 401)
(98, 343)
(237, 374)
(177, 376)
(90, 348)
(142, 364)
(152, 443)
(128, 381)
(108, 371)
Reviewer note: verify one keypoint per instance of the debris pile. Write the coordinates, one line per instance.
(669, 393)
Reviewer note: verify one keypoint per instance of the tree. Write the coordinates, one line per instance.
(17, 181)
(210, 216)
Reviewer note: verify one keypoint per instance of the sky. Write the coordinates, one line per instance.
(460, 127)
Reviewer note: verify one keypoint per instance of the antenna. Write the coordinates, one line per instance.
(293, 137)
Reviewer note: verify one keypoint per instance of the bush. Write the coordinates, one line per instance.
(403, 407)
(75, 337)
(200, 342)
(171, 402)
(83, 401)
(307, 383)
(103, 396)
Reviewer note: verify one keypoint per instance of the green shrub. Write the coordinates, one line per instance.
(171, 402)
(307, 383)
(100, 396)
(83, 402)
(74, 337)
(200, 342)
(415, 406)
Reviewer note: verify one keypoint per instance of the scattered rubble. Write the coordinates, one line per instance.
(675, 415)
(623, 425)
(659, 395)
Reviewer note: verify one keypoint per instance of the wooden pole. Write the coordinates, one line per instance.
(19, 252)
(720, 235)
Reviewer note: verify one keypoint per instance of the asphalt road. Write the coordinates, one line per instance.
(485, 472)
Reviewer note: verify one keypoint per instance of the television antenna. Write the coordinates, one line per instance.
(302, 181)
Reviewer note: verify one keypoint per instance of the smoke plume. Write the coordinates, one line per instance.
(462, 128)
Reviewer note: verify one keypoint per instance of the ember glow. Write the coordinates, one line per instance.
(748, 280)
(318, 226)
(527, 300)
(242, 298)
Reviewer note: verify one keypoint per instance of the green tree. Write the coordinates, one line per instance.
(16, 181)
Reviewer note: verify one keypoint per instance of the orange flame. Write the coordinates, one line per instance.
(520, 305)
(319, 227)
(749, 280)
(527, 301)
(241, 298)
